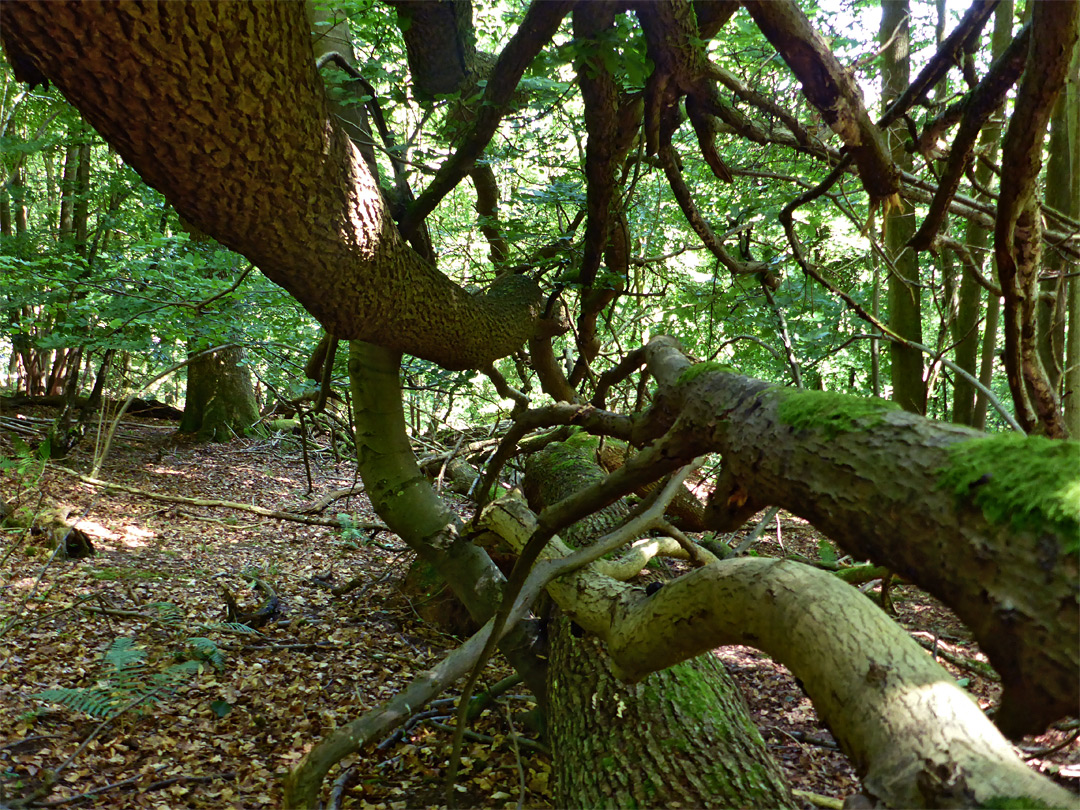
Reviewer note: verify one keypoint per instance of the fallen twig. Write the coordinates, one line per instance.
(933, 645)
(329, 498)
(243, 507)
(337, 792)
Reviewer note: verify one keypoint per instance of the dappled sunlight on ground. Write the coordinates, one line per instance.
(228, 735)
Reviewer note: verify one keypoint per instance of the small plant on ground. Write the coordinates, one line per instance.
(126, 682)
(352, 536)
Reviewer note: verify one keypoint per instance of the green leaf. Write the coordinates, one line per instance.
(221, 707)
(826, 553)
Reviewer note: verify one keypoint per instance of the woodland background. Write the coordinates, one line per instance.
(380, 264)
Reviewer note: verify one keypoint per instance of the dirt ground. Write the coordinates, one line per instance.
(226, 735)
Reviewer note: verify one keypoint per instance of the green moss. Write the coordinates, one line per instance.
(573, 453)
(696, 370)
(1015, 803)
(1030, 482)
(832, 413)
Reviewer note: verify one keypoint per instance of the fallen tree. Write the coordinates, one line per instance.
(915, 736)
(987, 524)
(916, 496)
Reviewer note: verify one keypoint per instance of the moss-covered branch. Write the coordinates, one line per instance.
(902, 719)
(986, 524)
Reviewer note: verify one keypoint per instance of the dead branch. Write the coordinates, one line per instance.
(209, 502)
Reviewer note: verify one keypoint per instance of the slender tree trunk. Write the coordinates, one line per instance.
(904, 293)
(1059, 184)
(81, 203)
(989, 357)
(977, 241)
(1071, 388)
(67, 189)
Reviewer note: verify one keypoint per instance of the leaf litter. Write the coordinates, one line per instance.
(254, 702)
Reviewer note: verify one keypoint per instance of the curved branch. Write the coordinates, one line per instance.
(670, 164)
(893, 709)
(1018, 228)
(829, 88)
(537, 28)
(857, 480)
(963, 39)
(983, 101)
(245, 149)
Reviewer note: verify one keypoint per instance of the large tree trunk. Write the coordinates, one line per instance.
(680, 737)
(220, 401)
(196, 123)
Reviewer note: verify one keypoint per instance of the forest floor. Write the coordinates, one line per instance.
(225, 736)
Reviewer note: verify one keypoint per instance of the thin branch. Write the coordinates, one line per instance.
(243, 507)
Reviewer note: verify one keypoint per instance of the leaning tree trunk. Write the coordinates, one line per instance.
(678, 738)
(220, 399)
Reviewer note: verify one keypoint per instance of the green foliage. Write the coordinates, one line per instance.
(830, 412)
(231, 627)
(826, 552)
(27, 464)
(168, 614)
(1029, 482)
(352, 535)
(199, 648)
(127, 681)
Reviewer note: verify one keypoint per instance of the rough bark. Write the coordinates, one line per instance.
(1070, 398)
(680, 737)
(1018, 228)
(916, 738)
(220, 402)
(219, 106)
(881, 483)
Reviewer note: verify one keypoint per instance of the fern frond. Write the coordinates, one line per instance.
(205, 649)
(129, 682)
(168, 613)
(100, 703)
(123, 654)
(125, 664)
(231, 627)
